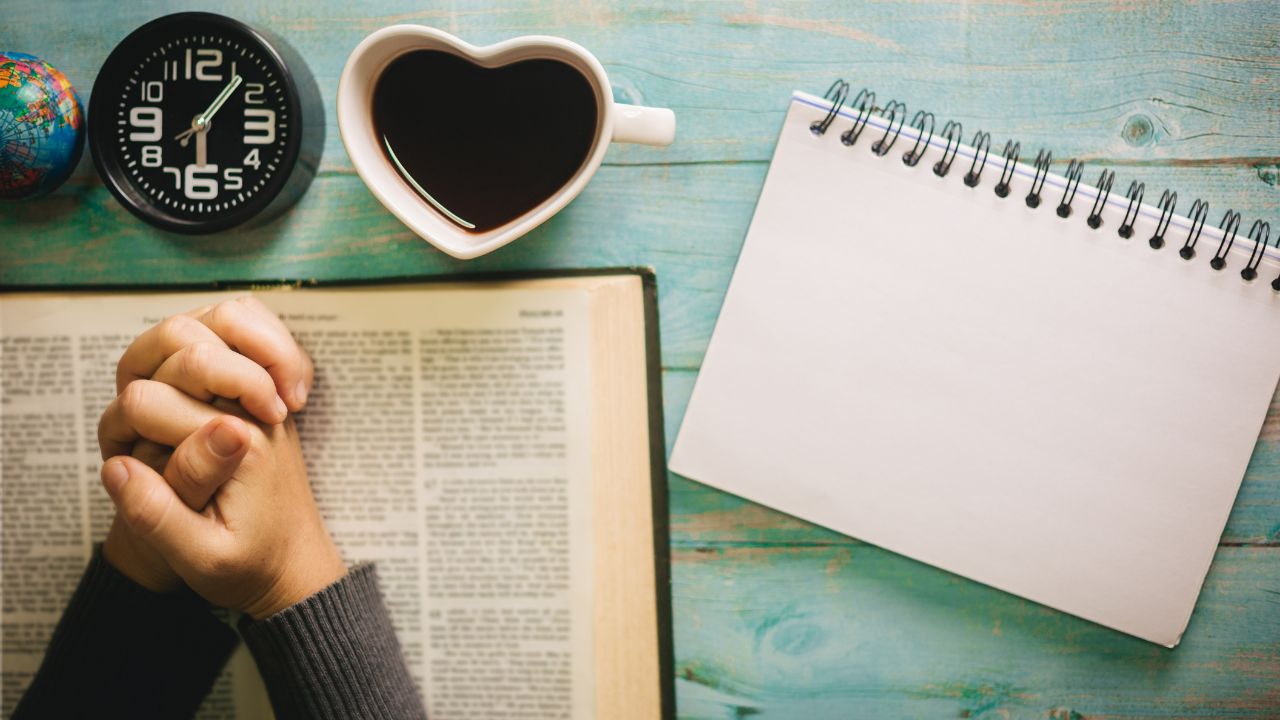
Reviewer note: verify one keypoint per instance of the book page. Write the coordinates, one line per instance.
(57, 374)
(1009, 395)
(447, 439)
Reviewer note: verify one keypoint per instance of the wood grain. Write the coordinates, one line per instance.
(775, 617)
(855, 631)
(685, 220)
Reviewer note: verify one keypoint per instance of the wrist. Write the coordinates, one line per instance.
(136, 561)
(303, 580)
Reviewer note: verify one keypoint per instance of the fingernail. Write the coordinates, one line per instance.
(114, 476)
(224, 441)
(300, 392)
(281, 410)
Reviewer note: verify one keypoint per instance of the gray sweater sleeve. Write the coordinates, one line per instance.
(121, 650)
(334, 655)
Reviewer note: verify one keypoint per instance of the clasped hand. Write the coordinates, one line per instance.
(202, 461)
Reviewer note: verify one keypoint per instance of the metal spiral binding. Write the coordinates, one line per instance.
(866, 102)
(1011, 151)
(893, 111)
(923, 122)
(1105, 181)
(981, 145)
(1136, 190)
(1260, 234)
(911, 157)
(1199, 213)
(1043, 159)
(954, 133)
(1167, 202)
(1075, 171)
(838, 91)
(1229, 226)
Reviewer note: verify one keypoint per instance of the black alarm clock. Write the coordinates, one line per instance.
(199, 123)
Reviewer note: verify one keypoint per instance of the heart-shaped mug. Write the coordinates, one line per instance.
(419, 165)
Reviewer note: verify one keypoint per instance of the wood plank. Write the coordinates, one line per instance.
(776, 617)
(838, 631)
(1136, 81)
(687, 221)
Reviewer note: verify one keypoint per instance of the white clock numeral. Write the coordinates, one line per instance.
(267, 125)
(151, 156)
(231, 178)
(253, 93)
(252, 159)
(146, 117)
(153, 91)
(215, 59)
(177, 176)
(200, 188)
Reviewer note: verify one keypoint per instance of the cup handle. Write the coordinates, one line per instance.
(643, 125)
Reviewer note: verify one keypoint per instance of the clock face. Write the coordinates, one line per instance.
(195, 122)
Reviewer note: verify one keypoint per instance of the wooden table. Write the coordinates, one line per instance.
(774, 617)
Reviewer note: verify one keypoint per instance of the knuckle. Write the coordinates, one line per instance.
(103, 425)
(122, 372)
(147, 514)
(134, 397)
(257, 305)
(196, 359)
(174, 330)
(262, 381)
(188, 467)
(225, 312)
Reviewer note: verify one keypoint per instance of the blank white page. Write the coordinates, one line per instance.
(1046, 408)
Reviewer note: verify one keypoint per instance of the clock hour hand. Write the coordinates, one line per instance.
(201, 121)
(202, 147)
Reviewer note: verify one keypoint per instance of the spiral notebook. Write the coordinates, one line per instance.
(951, 352)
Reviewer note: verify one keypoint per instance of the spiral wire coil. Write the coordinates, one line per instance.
(894, 117)
(1199, 213)
(954, 133)
(1136, 190)
(1105, 181)
(1011, 151)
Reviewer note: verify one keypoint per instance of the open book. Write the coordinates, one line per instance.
(494, 446)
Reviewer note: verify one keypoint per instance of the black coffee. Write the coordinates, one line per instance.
(483, 145)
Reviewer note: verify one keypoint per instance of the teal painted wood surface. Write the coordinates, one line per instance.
(774, 617)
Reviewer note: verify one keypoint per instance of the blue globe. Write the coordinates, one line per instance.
(41, 127)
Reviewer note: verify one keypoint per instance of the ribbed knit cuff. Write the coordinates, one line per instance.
(125, 651)
(334, 655)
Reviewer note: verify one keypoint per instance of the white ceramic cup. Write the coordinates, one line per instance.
(616, 122)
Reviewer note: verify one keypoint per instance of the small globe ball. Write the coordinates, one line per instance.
(41, 127)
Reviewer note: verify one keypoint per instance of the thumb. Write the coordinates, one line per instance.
(207, 459)
(151, 508)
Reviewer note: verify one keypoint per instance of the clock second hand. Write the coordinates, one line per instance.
(201, 121)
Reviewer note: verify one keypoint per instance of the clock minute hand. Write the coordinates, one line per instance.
(216, 105)
(202, 120)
